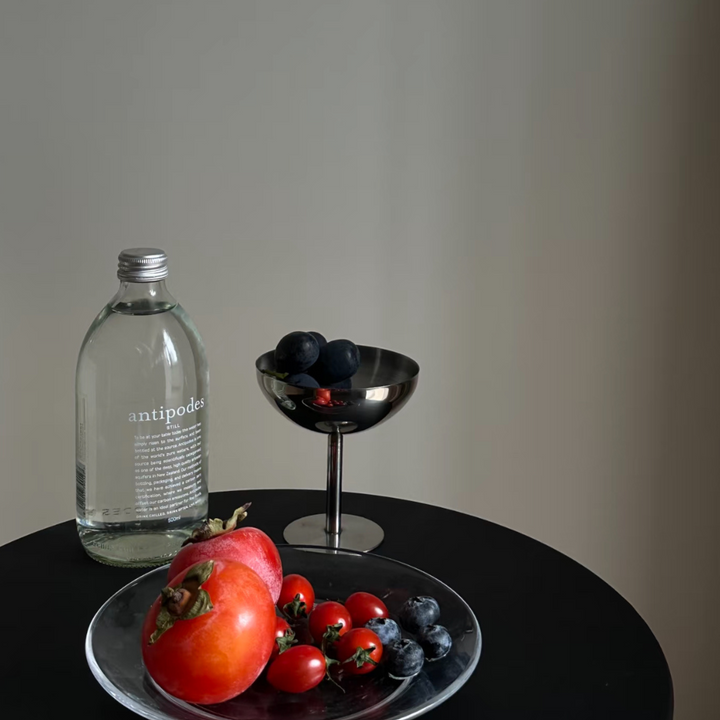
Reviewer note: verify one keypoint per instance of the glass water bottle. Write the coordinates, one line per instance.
(141, 421)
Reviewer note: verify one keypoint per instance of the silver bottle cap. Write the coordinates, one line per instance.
(142, 265)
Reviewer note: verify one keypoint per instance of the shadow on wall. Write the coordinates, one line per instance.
(683, 539)
(588, 302)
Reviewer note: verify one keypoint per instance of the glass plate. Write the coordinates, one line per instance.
(113, 651)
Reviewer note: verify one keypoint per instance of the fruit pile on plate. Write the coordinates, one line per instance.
(228, 618)
(307, 359)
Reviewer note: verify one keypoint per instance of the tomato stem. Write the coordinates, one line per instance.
(331, 636)
(362, 656)
(329, 662)
(286, 641)
(297, 607)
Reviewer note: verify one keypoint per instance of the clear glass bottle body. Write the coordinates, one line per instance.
(141, 429)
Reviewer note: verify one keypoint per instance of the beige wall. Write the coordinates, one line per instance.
(521, 195)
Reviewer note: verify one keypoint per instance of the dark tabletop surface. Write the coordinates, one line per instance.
(558, 642)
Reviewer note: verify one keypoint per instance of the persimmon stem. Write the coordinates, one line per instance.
(214, 527)
(179, 601)
(185, 601)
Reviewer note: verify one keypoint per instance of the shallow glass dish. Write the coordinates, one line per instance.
(113, 647)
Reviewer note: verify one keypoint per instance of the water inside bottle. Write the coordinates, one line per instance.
(142, 430)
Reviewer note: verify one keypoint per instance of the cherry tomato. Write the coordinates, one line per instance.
(363, 606)
(322, 394)
(297, 596)
(298, 669)
(284, 637)
(220, 650)
(359, 651)
(331, 614)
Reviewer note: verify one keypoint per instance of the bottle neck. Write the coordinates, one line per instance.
(142, 298)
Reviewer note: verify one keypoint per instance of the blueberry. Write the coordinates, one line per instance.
(296, 352)
(403, 659)
(339, 360)
(435, 641)
(345, 384)
(386, 629)
(321, 341)
(302, 380)
(418, 612)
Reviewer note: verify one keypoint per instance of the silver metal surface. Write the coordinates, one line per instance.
(334, 485)
(358, 533)
(382, 385)
(142, 265)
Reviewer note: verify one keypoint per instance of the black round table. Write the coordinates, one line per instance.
(558, 642)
